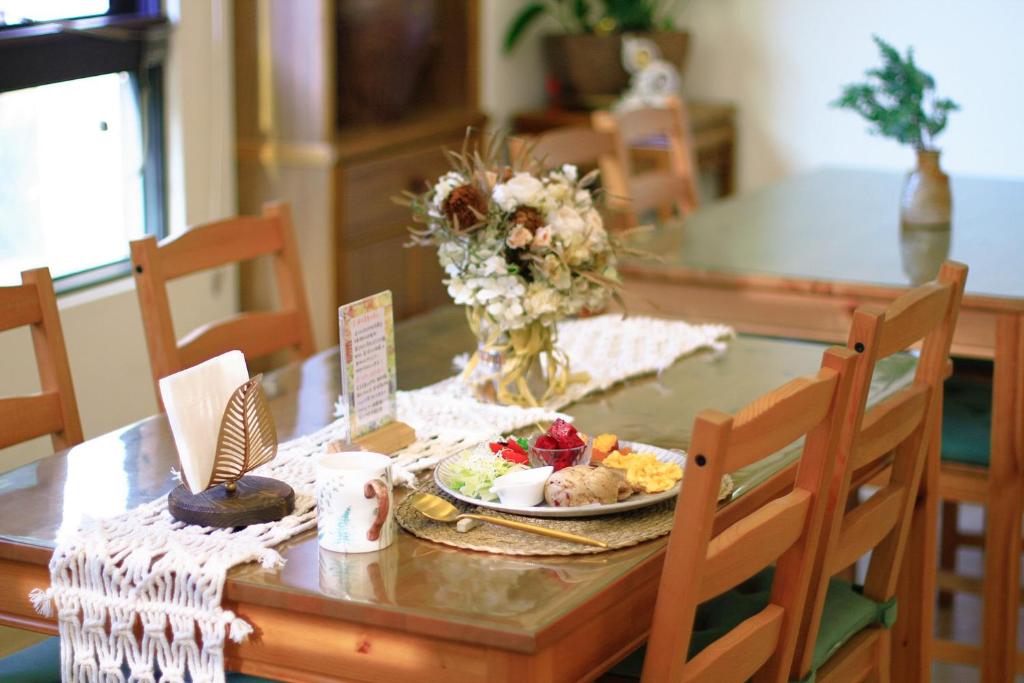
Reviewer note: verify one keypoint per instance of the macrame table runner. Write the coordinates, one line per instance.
(144, 569)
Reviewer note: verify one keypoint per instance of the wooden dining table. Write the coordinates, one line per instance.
(416, 611)
(796, 258)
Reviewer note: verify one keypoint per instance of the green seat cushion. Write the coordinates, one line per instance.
(967, 420)
(846, 613)
(41, 664)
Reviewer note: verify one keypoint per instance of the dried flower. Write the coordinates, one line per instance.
(527, 217)
(465, 207)
(519, 237)
(542, 238)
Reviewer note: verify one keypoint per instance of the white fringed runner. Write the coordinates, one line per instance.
(144, 568)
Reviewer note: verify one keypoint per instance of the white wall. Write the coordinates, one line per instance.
(508, 83)
(102, 328)
(783, 61)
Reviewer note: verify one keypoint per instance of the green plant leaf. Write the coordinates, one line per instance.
(631, 15)
(893, 99)
(521, 22)
(581, 10)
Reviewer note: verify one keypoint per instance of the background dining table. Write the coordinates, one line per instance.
(796, 258)
(417, 610)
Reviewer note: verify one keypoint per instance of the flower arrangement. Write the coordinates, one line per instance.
(521, 249)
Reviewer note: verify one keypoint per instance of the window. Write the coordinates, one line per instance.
(81, 135)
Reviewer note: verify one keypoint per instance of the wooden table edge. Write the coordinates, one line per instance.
(766, 282)
(25, 566)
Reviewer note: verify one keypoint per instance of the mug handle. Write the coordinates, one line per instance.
(376, 487)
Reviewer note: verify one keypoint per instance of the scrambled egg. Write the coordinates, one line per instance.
(645, 472)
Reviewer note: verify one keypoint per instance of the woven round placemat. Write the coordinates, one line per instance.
(619, 530)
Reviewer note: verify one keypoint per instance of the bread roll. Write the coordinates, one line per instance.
(585, 485)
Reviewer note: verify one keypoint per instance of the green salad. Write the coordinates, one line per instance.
(473, 473)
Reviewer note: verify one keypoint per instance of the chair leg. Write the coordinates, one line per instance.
(884, 650)
(948, 546)
(1001, 587)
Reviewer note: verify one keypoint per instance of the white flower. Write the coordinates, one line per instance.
(556, 272)
(522, 189)
(542, 238)
(557, 194)
(541, 300)
(449, 253)
(519, 237)
(570, 172)
(566, 223)
(459, 291)
(495, 265)
(597, 237)
(444, 186)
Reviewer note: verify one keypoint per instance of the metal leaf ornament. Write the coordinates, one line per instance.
(247, 437)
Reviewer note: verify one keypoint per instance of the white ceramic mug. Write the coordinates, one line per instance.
(354, 499)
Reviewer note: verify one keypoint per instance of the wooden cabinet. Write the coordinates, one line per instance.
(373, 229)
(301, 140)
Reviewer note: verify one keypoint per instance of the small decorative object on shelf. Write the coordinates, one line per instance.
(522, 249)
(584, 59)
(215, 490)
(894, 101)
(652, 80)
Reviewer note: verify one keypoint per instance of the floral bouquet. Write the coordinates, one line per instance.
(522, 249)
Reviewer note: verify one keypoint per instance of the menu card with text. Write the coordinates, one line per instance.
(368, 376)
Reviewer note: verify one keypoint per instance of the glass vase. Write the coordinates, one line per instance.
(489, 376)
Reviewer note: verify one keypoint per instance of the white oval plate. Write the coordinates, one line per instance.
(637, 500)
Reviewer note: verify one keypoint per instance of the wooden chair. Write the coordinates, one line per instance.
(53, 411)
(895, 440)
(256, 334)
(969, 473)
(699, 567)
(578, 145)
(636, 194)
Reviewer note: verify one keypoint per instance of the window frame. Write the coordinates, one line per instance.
(131, 37)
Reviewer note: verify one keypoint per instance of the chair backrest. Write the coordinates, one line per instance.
(53, 410)
(578, 145)
(672, 186)
(698, 567)
(257, 333)
(891, 439)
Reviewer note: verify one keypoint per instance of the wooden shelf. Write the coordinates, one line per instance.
(355, 142)
(290, 80)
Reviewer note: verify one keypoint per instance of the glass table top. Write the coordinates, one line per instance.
(842, 225)
(505, 600)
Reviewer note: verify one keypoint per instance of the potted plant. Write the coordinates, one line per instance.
(584, 61)
(899, 102)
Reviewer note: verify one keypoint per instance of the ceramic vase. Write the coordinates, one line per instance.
(926, 203)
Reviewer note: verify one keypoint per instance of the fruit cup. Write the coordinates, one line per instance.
(559, 458)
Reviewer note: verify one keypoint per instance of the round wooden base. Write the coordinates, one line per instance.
(256, 500)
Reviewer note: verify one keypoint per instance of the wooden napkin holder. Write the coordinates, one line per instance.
(247, 439)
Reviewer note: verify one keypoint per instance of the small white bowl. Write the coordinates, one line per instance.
(522, 488)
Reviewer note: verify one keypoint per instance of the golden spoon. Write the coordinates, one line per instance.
(440, 510)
